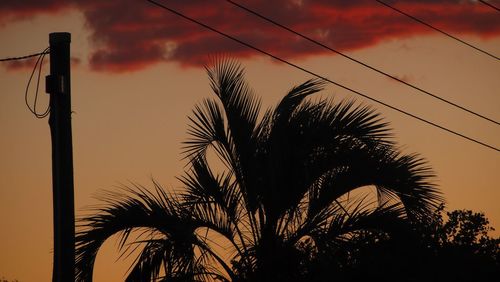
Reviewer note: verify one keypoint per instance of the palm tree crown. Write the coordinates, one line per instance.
(281, 197)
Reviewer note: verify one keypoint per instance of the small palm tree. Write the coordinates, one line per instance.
(282, 195)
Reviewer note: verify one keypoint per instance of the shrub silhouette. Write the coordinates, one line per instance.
(435, 249)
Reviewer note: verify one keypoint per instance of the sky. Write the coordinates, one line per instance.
(137, 72)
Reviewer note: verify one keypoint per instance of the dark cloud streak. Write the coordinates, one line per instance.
(129, 35)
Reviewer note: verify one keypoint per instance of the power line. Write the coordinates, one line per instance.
(438, 30)
(363, 64)
(39, 63)
(489, 5)
(25, 57)
(322, 77)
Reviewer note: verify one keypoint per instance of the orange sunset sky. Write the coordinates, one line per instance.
(137, 73)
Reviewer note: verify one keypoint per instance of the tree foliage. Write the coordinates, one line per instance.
(288, 199)
(452, 246)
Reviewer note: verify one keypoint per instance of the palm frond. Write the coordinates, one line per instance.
(309, 144)
(239, 102)
(411, 183)
(241, 108)
(216, 203)
(206, 128)
(123, 213)
(403, 178)
(211, 198)
(360, 217)
(295, 97)
(148, 265)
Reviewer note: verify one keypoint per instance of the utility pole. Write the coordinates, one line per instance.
(58, 85)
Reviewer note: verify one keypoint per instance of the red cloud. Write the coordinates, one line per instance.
(129, 35)
(18, 10)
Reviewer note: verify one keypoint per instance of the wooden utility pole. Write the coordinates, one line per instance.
(58, 85)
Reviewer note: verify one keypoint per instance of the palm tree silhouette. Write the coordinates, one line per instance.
(282, 196)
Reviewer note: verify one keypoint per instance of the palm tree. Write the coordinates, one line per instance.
(285, 192)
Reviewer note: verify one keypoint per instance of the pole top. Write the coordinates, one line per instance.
(59, 37)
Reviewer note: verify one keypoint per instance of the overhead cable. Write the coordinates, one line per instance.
(438, 30)
(39, 64)
(24, 57)
(463, 108)
(322, 77)
(489, 5)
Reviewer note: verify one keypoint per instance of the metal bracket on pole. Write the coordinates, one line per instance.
(56, 84)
